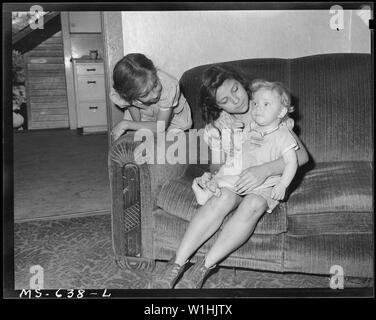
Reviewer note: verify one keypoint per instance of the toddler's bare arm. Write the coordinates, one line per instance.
(291, 161)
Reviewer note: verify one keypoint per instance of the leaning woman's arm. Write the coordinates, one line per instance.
(160, 125)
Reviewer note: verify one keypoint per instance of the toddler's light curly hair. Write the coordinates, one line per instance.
(278, 87)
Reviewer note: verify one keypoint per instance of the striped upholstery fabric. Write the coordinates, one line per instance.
(333, 198)
(317, 253)
(335, 106)
(260, 252)
(328, 218)
(177, 198)
(332, 94)
(273, 69)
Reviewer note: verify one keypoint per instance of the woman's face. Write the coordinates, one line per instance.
(232, 97)
(151, 96)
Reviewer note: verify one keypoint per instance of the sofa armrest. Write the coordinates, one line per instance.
(132, 203)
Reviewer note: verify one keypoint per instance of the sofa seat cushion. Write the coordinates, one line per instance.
(333, 198)
(318, 253)
(177, 198)
(261, 251)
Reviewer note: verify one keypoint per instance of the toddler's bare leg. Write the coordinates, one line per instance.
(206, 221)
(237, 229)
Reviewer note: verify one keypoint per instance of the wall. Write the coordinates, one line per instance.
(81, 44)
(113, 52)
(179, 40)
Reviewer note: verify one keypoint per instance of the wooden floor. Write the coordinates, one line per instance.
(59, 173)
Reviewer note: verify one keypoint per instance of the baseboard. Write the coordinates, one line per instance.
(64, 216)
(94, 130)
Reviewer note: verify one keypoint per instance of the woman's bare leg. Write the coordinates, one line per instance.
(237, 229)
(206, 221)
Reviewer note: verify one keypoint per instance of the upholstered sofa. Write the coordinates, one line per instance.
(328, 217)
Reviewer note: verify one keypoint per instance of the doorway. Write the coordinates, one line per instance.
(58, 171)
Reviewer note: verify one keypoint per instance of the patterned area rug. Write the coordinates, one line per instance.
(77, 253)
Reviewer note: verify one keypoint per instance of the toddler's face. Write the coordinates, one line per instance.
(266, 107)
(152, 96)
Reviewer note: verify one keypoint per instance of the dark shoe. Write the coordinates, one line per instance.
(166, 278)
(195, 276)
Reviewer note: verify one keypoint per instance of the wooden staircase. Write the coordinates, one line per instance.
(46, 89)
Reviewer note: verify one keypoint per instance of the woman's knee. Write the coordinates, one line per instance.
(252, 206)
(226, 199)
(226, 202)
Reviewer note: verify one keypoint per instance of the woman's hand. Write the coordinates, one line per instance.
(237, 125)
(278, 192)
(251, 178)
(119, 129)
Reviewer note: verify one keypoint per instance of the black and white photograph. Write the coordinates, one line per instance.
(139, 158)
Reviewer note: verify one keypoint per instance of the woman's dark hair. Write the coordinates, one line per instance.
(212, 79)
(133, 76)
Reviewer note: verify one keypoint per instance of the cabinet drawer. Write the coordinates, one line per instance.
(90, 68)
(92, 114)
(91, 88)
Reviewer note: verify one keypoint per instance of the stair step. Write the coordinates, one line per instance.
(37, 116)
(48, 124)
(45, 60)
(47, 99)
(46, 84)
(49, 105)
(44, 67)
(44, 53)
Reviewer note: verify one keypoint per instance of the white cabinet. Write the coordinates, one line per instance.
(90, 95)
(85, 22)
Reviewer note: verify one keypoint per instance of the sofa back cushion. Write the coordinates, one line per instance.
(275, 69)
(335, 105)
(332, 94)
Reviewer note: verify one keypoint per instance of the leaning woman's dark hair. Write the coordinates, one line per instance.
(133, 75)
(212, 79)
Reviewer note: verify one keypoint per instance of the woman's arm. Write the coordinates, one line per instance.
(252, 177)
(162, 123)
(135, 113)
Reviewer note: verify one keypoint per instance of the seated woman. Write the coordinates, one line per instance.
(225, 104)
(270, 106)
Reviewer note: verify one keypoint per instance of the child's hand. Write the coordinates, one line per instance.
(201, 181)
(278, 192)
(212, 185)
(119, 129)
(202, 194)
